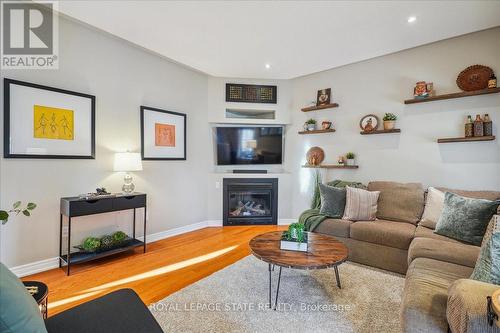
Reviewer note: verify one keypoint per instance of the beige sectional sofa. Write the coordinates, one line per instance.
(437, 268)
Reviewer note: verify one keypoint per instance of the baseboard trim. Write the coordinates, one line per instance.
(35, 267)
(51, 263)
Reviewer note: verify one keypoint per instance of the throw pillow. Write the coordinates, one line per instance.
(361, 205)
(465, 219)
(433, 208)
(487, 267)
(332, 201)
(19, 311)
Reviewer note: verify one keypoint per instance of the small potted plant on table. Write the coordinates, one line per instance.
(390, 121)
(310, 124)
(295, 238)
(350, 158)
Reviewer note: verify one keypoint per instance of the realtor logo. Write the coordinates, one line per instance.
(29, 35)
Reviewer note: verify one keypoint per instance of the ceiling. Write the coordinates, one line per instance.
(238, 38)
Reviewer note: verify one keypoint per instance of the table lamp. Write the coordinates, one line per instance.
(127, 162)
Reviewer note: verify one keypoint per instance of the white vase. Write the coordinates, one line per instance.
(311, 127)
(350, 161)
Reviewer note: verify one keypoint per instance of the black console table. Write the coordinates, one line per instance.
(75, 206)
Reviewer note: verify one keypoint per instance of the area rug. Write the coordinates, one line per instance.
(235, 299)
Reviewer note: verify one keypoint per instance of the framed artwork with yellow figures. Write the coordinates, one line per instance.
(47, 122)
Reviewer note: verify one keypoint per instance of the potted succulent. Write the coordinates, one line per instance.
(310, 124)
(350, 158)
(389, 121)
(295, 238)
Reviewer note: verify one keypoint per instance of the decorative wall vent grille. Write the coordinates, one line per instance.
(251, 93)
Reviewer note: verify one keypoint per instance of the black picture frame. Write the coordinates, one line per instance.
(143, 109)
(7, 111)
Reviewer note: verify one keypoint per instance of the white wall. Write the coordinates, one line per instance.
(182, 193)
(381, 85)
(122, 77)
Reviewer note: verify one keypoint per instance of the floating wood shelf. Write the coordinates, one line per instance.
(317, 131)
(454, 95)
(331, 166)
(395, 130)
(467, 139)
(320, 107)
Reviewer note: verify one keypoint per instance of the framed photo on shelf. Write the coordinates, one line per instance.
(163, 134)
(47, 122)
(324, 96)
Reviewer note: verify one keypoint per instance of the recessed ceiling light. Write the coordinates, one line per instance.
(268, 66)
(412, 19)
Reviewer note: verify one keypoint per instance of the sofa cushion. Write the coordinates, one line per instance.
(487, 268)
(399, 201)
(335, 227)
(464, 218)
(332, 201)
(361, 205)
(487, 195)
(19, 312)
(455, 253)
(429, 233)
(426, 294)
(388, 233)
(434, 203)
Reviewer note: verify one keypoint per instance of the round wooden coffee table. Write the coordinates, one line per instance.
(323, 252)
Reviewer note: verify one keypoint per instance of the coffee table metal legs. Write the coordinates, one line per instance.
(271, 268)
(337, 277)
(270, 284)
(277, 290)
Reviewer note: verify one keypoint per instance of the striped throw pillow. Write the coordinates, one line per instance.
(361, 205)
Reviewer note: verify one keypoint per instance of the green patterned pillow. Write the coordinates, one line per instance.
(465, 219)
(332, 201)
(488, 264)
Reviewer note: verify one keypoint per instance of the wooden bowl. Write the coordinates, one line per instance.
(315, 156)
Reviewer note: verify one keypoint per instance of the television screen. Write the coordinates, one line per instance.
(249, 145)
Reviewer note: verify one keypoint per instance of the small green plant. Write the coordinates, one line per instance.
(311, 122)
(390, 117)
(350, 156)
(106, 242)
(296, 232)
(119, 237)
(16, 209)
(91, 244)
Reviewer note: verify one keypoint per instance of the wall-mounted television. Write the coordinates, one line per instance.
(249, 145)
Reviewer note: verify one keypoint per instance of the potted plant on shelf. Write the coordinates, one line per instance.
(295, 238)
(350, 158)
(310, 124)
(389, 121)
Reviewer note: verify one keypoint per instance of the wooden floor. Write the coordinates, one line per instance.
(169, 265)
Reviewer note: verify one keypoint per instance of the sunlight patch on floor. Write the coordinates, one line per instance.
(163, 270)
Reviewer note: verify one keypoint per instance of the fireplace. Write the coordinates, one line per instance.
(250, 201)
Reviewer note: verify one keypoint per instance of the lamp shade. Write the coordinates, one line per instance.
(127, 162)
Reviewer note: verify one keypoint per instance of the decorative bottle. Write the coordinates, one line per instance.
(469, 127)
(487, 126)
(478, 126)
(492, 82)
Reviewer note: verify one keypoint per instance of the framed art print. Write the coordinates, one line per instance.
(163, 134)
(47, 122)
